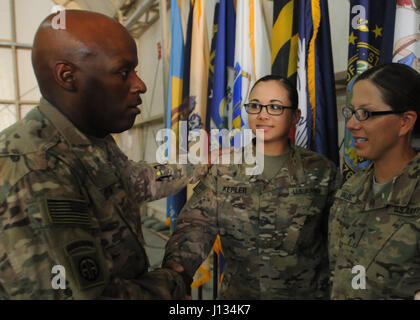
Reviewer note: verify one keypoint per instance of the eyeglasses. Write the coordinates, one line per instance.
(273, 109)
(363, 114)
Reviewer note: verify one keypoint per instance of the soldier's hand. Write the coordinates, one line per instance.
(171, 264)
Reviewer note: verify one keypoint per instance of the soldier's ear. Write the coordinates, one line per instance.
(296, 116)
(407, 122)
(65, 75)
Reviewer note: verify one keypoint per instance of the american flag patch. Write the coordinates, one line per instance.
(68, 211)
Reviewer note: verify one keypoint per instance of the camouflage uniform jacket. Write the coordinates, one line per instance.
(273, 232)
(67, 201)
(381, 235)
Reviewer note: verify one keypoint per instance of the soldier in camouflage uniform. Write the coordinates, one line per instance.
(68, 195)
(374, 230)
(273, 225)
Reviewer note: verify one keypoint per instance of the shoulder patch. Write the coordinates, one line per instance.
(85, 264)
(67, 212)
(199, 188)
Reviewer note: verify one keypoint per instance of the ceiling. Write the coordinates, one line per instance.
(136, 15)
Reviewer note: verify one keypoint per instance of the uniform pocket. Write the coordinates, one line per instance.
(299, 216)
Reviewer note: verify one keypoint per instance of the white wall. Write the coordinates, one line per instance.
(339, 11)
(29, 15)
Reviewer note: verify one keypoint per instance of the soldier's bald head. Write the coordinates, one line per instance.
(86, 35)
(87, 70)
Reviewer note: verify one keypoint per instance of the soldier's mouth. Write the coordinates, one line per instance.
(263, 127)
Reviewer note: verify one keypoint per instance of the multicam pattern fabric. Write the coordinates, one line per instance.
(378, 235)
(69, 200)
(273, 232)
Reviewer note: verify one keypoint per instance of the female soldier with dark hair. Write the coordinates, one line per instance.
(272, 225)
(374, 228)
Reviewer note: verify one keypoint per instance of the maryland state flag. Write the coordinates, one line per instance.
(284, 40)
(284, 43)
(369, 45)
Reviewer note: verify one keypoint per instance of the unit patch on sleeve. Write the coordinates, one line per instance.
(85, 264)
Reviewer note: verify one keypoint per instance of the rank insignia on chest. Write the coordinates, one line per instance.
(235, 190)
(353, 238)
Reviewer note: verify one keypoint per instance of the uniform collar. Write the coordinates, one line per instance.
(63, 125)
(294, 167)
(403, 186)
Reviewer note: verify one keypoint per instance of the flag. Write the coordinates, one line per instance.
(368, 46)
(174, 111)
(221, 71)
(217, 247)
(284, 43)
(317, 128)
(407, 33)
(199, 66)
(322, 75)
(220, 84)
(303, 135)
(284, 40)
(252, 56)
(199, 73)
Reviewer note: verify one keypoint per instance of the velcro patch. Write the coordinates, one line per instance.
(84, 262)
(199, 188)
(68, 211)
(236, 190)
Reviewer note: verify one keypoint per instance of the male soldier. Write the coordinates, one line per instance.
(68, 196)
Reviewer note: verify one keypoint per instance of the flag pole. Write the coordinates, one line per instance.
(163, 8)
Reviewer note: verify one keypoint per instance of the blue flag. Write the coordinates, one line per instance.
(370, 43)
(317, 128)
(175, 106)
(221, 68)
(326, 133)
(221, 74)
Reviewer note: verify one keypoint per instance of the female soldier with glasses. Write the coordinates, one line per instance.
(273, 226)
(374, 230)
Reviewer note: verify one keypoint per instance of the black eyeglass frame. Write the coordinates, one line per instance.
(368, 112)
(261, 106)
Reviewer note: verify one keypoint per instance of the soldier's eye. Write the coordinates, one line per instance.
(124, 74)
(363, 114)
(275, 107)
